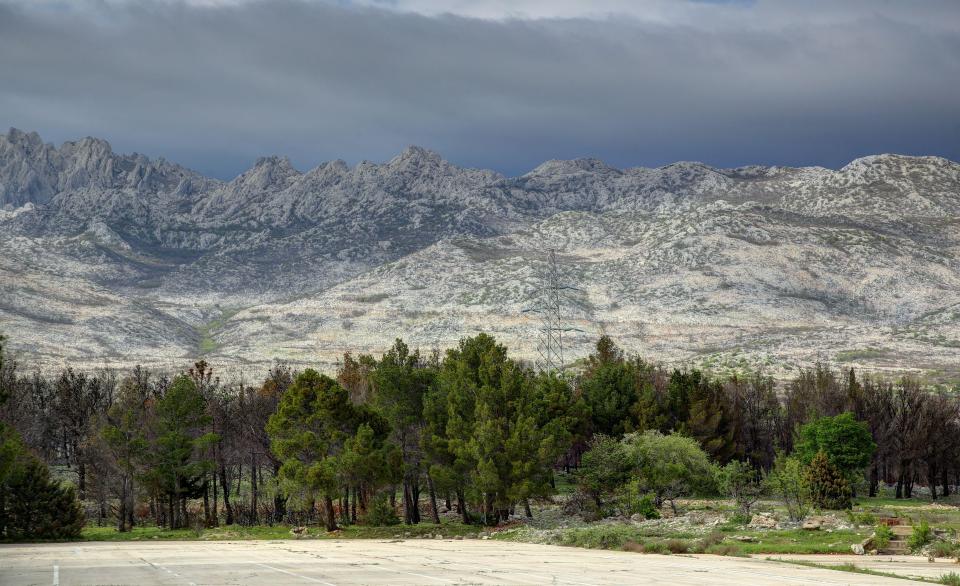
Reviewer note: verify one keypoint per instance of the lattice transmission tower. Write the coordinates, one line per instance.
(548, 303)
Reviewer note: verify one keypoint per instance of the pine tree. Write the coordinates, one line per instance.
(176, 455)
(489, 433)
(326, 442)
(401, 380)
(32, 505)
(36, 506)
(709, 422)
(828, 488)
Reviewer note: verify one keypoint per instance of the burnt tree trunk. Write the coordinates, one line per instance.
(226, 493)
(329, 517)
(434, 513)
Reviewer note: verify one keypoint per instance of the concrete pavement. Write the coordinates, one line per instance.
(431, 562)
(911, 566)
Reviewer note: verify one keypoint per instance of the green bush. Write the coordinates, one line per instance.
(633, 500)
(865, 518)
(677, 546)
(843, 440)
(380, 513)
(740, 518)
(788, 482)
(922, 535)
(742, 482)
(656, 547)
(647, 508)
(951, 579)
(713, 538)
(942, 549)
(882, 537)
(601, 536)
(723, 549)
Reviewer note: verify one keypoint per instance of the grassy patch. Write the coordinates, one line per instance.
(868, 353)
(237, 532)
(800, 541)
(207, 344)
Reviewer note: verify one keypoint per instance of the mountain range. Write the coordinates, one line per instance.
(109, 259)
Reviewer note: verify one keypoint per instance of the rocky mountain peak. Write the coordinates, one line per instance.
(268, 173)
(587, 165)
(24, 140)
(418, 160)
(414, 153)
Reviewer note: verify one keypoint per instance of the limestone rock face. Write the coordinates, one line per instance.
(108, 258)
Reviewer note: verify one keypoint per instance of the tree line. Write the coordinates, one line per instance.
(470, 431)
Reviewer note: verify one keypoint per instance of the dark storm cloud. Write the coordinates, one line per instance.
(213, 86)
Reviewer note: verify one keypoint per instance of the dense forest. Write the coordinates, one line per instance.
(470, 430)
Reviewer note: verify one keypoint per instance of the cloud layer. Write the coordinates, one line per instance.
(215, 83)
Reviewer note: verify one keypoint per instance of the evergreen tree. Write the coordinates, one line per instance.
(609, 388)
(33, 505)
(178, 447)
(401, 380)
(368, 462)
(828, 488)
(126, 445)
(487, 434)
(325, 442)
(709, 420)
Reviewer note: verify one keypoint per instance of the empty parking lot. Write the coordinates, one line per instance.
(385, 562)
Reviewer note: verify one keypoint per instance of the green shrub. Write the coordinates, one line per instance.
(882, 537)
(633, 500)
(723, 549)
(647, 508)
(865, 518)
(951, 579)
(942, 549)
(922, 535)
(742, 482)
(380, 513)
(713, 538)
(601, 536)
(656, 547)
(677, 546)
(740, 518)
(788, 482)
(843, 440)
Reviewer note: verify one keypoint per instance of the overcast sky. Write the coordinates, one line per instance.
(504, 84)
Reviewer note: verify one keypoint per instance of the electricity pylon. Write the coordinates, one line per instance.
(548, 302)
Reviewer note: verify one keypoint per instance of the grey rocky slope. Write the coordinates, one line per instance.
(108, 258)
